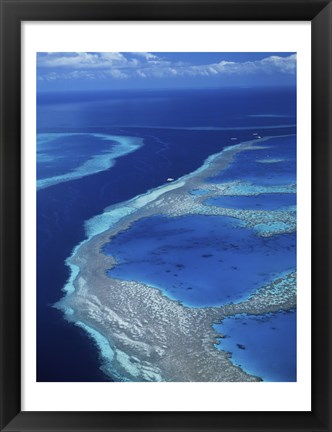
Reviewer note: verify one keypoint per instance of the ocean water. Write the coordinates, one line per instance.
(75, 128)
(231, 108)
(263, 345)
(276, 164)
(200, 260)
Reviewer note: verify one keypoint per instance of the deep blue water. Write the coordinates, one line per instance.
(263, 345)
(64, 353)
(255, 166)
(273, 201)
(189, 108)
(200, 260)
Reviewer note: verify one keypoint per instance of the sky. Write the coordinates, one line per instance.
(64, 71)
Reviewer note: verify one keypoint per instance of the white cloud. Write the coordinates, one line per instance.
(283, 64)
(82, 60)
(146, 65)
(145, 55)
(266, 65)
(116, 73)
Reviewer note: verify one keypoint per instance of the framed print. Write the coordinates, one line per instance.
(165, 215)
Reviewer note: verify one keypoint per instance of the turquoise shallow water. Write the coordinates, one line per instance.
(200, 260)
(63, 157)
(263, 345)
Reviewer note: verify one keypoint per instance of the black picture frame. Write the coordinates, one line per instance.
(13, 12)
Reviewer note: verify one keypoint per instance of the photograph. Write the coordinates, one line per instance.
(166, 216)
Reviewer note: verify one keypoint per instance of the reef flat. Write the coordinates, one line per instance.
(146, 335)
(80, 150)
